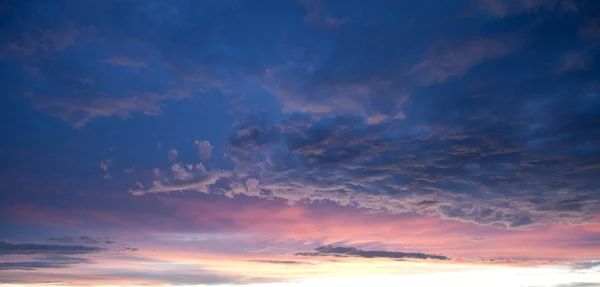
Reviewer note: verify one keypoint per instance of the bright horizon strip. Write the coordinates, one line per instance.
(470, 277)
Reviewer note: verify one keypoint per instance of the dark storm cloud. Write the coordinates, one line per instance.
(33, 248)
(355, 252)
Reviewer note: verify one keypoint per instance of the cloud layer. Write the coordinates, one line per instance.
(341, 251)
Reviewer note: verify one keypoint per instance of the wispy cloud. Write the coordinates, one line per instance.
(81, 240)
(135, 65)
(50, 262)
(443, 62)
(90, 105)
(30, 45)
(575, 61)
(504, 8)
(355, 252)
(33, 248)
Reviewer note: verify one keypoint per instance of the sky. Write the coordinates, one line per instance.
(284, 143)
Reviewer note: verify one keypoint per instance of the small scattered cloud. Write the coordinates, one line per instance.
(87, 81)
(340, 251)
(590, 31)
(181, 173)
(575, 61)
(173, 154)
(135, 65)
(314, 15)
(130, 170)
(313, 11)
(204, 149)
(334, 23)
(105, 164)
(157, 173)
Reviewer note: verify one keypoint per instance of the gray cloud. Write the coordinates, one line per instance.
(33, 248)
(355, 252)
(46, 261)
(34, 265)
(81, 240)
(585, 264)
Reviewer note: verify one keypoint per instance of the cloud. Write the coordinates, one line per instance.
(32, 248)
(379, 118)
(204, 149)
(180, 173)
(334, 23)
(504, 8)
(282, 262)
(461, 167)
(34, 44)
(35, 265)
(442, 63)
(90, 105)
(135, 65)
(200, 183)
(591, 30)
(173, 154)
(575, 61)
(81, 240)
(105, 164)
(340, 251)
(313, 13)
(585, 264)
